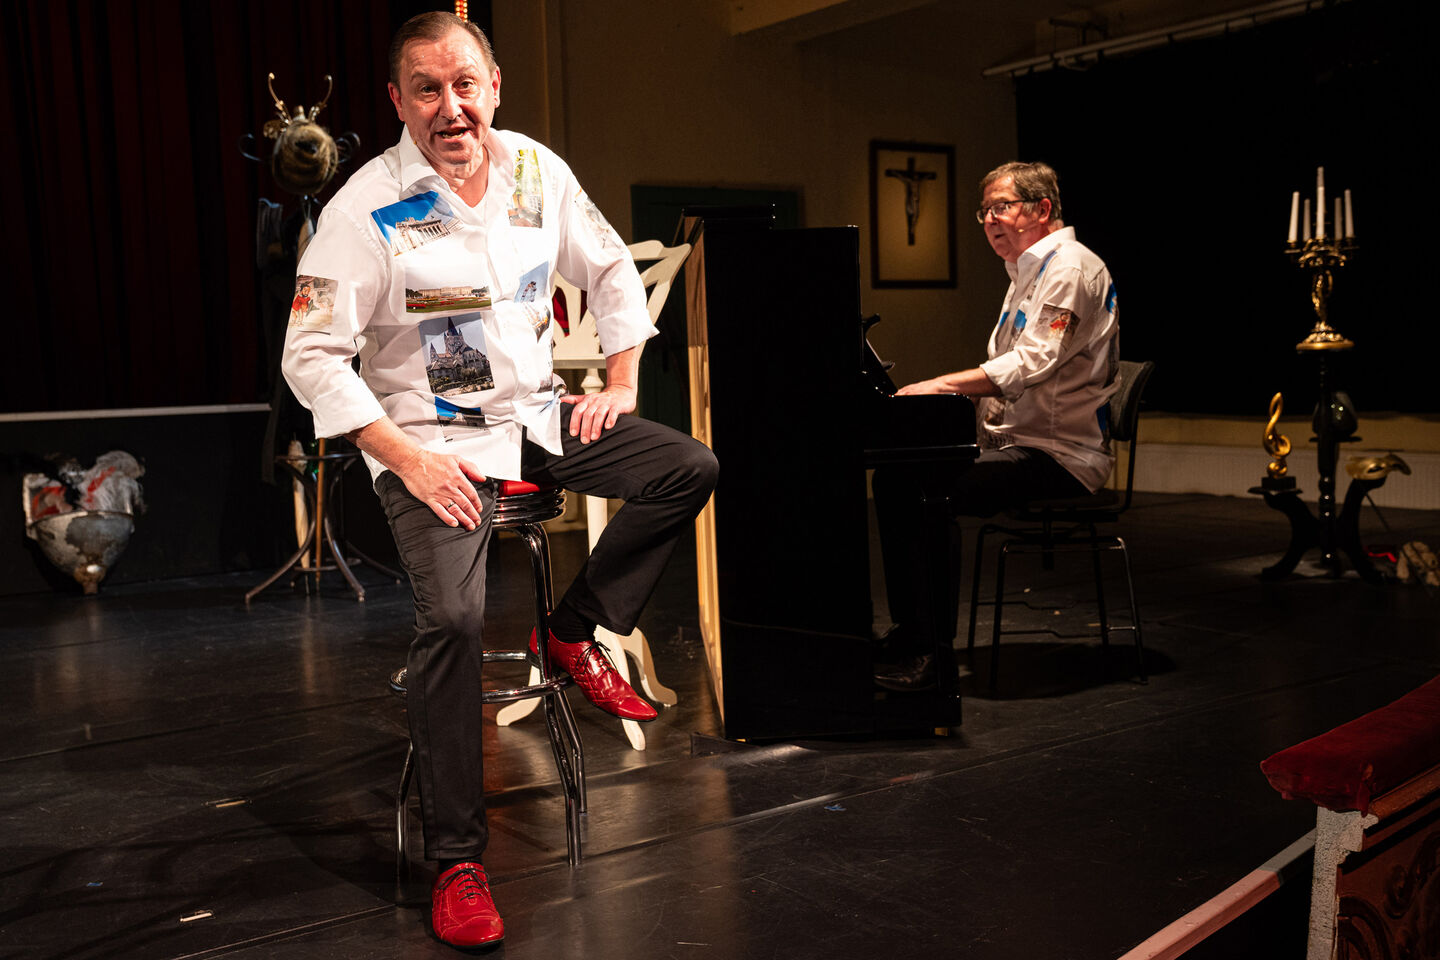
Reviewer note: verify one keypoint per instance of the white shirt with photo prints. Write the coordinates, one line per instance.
(448, 306)
(1054, 355)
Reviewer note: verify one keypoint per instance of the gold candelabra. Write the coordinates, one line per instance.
(1322, 257)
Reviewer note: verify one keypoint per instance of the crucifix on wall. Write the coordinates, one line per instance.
(912, 214)
(912, 179)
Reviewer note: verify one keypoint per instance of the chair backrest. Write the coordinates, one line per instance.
(1125, 413)
(581, 348)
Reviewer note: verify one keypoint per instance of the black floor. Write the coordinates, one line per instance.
(187, 777)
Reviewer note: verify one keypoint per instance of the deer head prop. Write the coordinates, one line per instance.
(305, 155)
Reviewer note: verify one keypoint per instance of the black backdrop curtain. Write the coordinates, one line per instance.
(1177, 166)
(132, 213)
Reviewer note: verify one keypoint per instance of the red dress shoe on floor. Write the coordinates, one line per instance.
(597, 678)
(461, 911)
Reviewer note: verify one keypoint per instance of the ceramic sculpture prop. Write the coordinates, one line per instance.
(83, 520)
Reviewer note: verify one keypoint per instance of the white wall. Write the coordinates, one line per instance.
(641, 92)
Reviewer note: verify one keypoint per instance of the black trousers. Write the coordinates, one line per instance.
(664, 477)
(914, 506)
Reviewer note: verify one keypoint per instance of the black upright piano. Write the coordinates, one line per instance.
(776, 352)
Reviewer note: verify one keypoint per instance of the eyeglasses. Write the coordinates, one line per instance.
(1001, 210)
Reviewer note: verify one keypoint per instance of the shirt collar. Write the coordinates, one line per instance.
(1032, 255)
(415, 168)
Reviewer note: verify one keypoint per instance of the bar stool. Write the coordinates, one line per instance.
(524, 508)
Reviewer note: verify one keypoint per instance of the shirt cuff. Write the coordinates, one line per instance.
(1005, 371)
(620, 333)
(348, 408)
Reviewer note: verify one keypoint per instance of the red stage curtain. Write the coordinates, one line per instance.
(131, 211)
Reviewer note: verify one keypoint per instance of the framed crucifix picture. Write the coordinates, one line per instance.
(912, 214)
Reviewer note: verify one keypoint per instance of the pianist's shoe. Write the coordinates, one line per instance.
(596, 677)
(915, 672)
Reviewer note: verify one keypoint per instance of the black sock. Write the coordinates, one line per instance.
(569, 626)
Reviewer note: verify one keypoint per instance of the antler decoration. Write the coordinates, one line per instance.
(272, 128)
(1276, 443)
(329, 89)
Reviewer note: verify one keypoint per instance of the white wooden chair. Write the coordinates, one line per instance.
(580, 350)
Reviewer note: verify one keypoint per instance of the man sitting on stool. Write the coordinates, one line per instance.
(433, 263)
(1042, 399)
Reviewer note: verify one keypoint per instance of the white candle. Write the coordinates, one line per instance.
(1305, 221)
(1349, 218)
(1295, 213)
(1337, 221)
(1319, 203)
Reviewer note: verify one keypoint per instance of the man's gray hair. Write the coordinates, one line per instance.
(432, 26)
(1032, 182)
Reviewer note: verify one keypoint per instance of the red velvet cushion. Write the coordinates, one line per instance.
(1354, 763)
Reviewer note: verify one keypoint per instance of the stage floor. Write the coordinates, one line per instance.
(188, 777)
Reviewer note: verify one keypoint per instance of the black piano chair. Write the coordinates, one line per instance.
(521, 507)
(1051, 526)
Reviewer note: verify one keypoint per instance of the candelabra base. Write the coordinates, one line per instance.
(1307, 532)
(1325, 340)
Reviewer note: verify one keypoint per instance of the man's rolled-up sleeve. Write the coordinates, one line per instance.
(594, 257)
(1050, 336)
(346, 275)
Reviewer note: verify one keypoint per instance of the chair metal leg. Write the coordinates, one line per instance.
(298, 555)
(559, 722)
(577, 750)
(338, 555)
(539, 549)
(1100, 593)
(568, 782)
(975, 589)
(402, 859)
(1134, 612)
(999, 606)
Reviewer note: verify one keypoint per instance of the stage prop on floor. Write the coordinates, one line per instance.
(1335, 532)
(82, 518)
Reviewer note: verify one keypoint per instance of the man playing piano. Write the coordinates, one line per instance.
(1041, 401)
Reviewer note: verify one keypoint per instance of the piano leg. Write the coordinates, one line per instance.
(921, 545)
(941, 586)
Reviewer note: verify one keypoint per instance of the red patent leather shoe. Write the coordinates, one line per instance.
(597, 678)
(461, 911)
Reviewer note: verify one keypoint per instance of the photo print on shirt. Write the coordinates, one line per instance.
(603, 231)
(532, 283)
(538, 313)
(415, 221)
(444, 284)
(527, 205)
(314, 305)
(528, 294)
(449, 413)
(454, 351)
(1056, 323)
